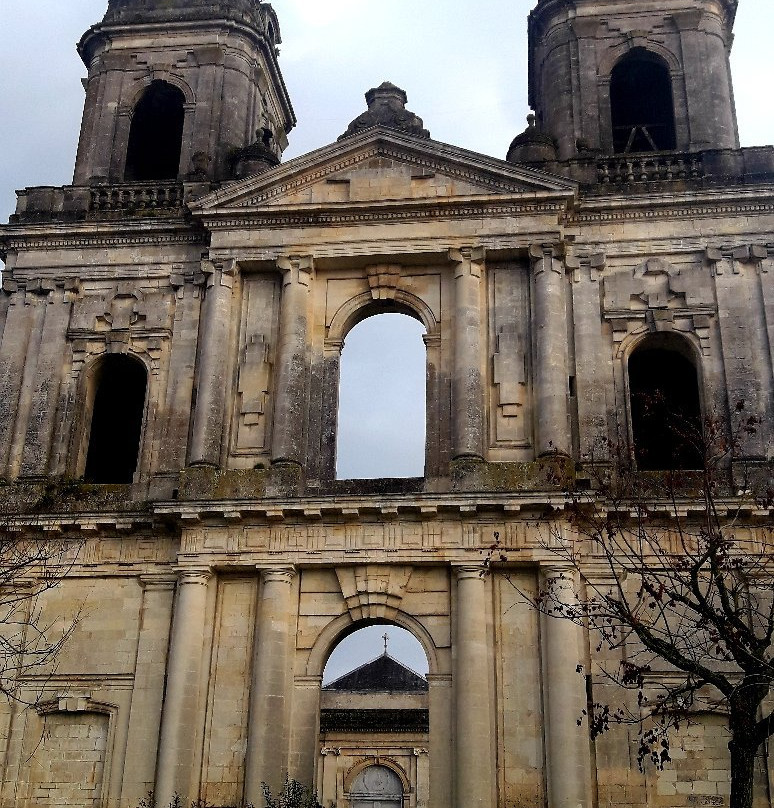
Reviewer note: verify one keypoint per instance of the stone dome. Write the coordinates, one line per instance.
(533, 145)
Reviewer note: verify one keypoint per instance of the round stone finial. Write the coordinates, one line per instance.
(533, 145)
(387, 107)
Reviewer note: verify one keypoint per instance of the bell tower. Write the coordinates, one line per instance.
(181, 89)
(623, 76)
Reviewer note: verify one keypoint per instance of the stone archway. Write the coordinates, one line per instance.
(376, 787)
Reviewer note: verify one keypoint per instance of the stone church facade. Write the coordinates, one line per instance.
(171, 327)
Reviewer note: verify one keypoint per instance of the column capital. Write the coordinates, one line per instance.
(158, 581)
(199, 576)
(469, 571)
(556, 569)
(296, 269)
(219, 272)
(281, 574)
(547, 257)
(468, 260)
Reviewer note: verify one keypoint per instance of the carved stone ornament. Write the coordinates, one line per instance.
(387, 107)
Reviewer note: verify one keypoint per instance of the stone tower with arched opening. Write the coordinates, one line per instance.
(182, 313)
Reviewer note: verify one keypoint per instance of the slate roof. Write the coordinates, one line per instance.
(382, 675)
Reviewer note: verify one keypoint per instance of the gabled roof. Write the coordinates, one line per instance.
(381, 166)
(382, 675)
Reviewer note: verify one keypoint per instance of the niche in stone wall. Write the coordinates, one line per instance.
(258, 342)
(510, 419)
(68, 765)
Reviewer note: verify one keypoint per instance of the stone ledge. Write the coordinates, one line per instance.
(556, 473)
(64, 495)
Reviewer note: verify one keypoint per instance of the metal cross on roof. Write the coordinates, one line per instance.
(386, 638)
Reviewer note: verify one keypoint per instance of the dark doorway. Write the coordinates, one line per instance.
(116, 422)
(666, 411)
(156, 135)
(641, 104)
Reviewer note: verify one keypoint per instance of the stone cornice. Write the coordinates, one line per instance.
(366, 213)
(685, 205)
(95, 236)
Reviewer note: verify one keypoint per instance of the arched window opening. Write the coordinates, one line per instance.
(116, 422)
(641, 104)
(375, 682)
(382, 399)
(665, 407)
(369, 643)
(156, 135)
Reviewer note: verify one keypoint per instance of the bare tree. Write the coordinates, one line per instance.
(682, 595)
(30, 642)
(32, 564)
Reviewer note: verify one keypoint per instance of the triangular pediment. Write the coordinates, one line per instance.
(381, 166)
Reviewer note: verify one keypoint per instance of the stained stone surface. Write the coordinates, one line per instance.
(213, 588)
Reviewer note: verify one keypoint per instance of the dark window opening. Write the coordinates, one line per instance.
(156, 135)
(641, 104)
(666, 411)
(116, 421)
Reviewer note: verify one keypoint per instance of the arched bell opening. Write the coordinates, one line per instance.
(665, 405)
(115, 400)
(642, 104)
(156, 135)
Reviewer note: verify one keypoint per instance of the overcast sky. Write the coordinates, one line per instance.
(462, 62)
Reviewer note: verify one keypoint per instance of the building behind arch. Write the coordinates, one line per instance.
(171, 328)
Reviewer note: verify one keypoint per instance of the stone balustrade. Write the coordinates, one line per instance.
(628, 169)
(137, 197)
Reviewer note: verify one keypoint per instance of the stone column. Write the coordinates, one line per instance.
(292, 361)
(214, 369)
(172, 443)
(594, 371)
(182, 711)
(743, 337)
(47, 379)
(268, 727)
(549, 324)
(568, 759)
(467, 384)
(14, 341)
(38, 305)
(147, 694)
(441, 773)
(305, 724)
(475, 767)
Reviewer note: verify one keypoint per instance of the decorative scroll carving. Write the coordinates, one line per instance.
(126, 310)
(371, 591)
(657, 284)
(658, 296)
